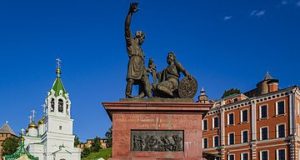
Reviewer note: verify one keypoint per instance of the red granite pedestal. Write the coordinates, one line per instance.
(156, 116)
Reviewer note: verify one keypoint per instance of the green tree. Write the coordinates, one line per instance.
(76, 141)
(108, 135)
(96, 145)
(230, 92)
(85, 152)
(10, 145)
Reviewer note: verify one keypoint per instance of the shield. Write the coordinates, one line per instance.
(187, 87)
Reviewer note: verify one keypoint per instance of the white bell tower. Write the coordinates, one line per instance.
(58, 106)
(58, 122)
(53, 138)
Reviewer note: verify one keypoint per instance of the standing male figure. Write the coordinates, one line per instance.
(136, 73)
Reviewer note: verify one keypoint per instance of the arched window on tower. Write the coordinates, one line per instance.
(60, 105)
(67, 109)
(52, 105)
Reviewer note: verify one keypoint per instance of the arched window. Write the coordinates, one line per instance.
(67, 109)
(60, 105)
(52, 105)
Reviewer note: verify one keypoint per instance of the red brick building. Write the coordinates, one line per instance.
(5, 132)
(262, 124)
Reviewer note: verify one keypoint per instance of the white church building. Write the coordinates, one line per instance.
(52, 138)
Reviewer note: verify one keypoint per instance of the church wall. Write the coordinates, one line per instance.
(55, 140)
(60, 125)
(36, 150)
(31, 140)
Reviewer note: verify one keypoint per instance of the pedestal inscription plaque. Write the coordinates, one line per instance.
(157, 141)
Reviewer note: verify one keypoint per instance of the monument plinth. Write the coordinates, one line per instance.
(149, 129)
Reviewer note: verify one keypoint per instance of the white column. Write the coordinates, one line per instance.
(292, 114)
(253, 121)
(292, 125)
(222, 122)
(253, 130)
(222, 129)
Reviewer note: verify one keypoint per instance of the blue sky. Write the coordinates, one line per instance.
(224, 44)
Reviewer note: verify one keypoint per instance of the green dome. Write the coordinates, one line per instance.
(58, 86)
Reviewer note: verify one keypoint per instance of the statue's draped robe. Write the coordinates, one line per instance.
(136, 67)
(169, 77)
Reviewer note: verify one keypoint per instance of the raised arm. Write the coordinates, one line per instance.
(132, 9)
(127, 27)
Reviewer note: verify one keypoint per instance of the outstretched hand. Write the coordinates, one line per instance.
(133, 7)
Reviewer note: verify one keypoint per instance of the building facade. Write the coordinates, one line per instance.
(262, 124)
(5, 132)
(52, 138)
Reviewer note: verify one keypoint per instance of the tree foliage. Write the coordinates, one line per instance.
(85, 152)
(96, 145)
(231, 92)
(76, 141)
(108, 135)
(10, 145)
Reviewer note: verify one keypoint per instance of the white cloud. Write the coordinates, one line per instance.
(226, 18)
(258, 13)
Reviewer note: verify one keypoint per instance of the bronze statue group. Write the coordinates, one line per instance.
(166, 84)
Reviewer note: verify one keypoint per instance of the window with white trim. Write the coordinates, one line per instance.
(263, 111)
(244, 138)
(244, 115)
(280, 108)
(264, 135)
(215, 122)
(204, 124)
(231, 157)
(205, 143)
(280, 154)
(230, 138)
(280, 131)
(244, 156)
(230, 119)
(264, 155)
(216, 141)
